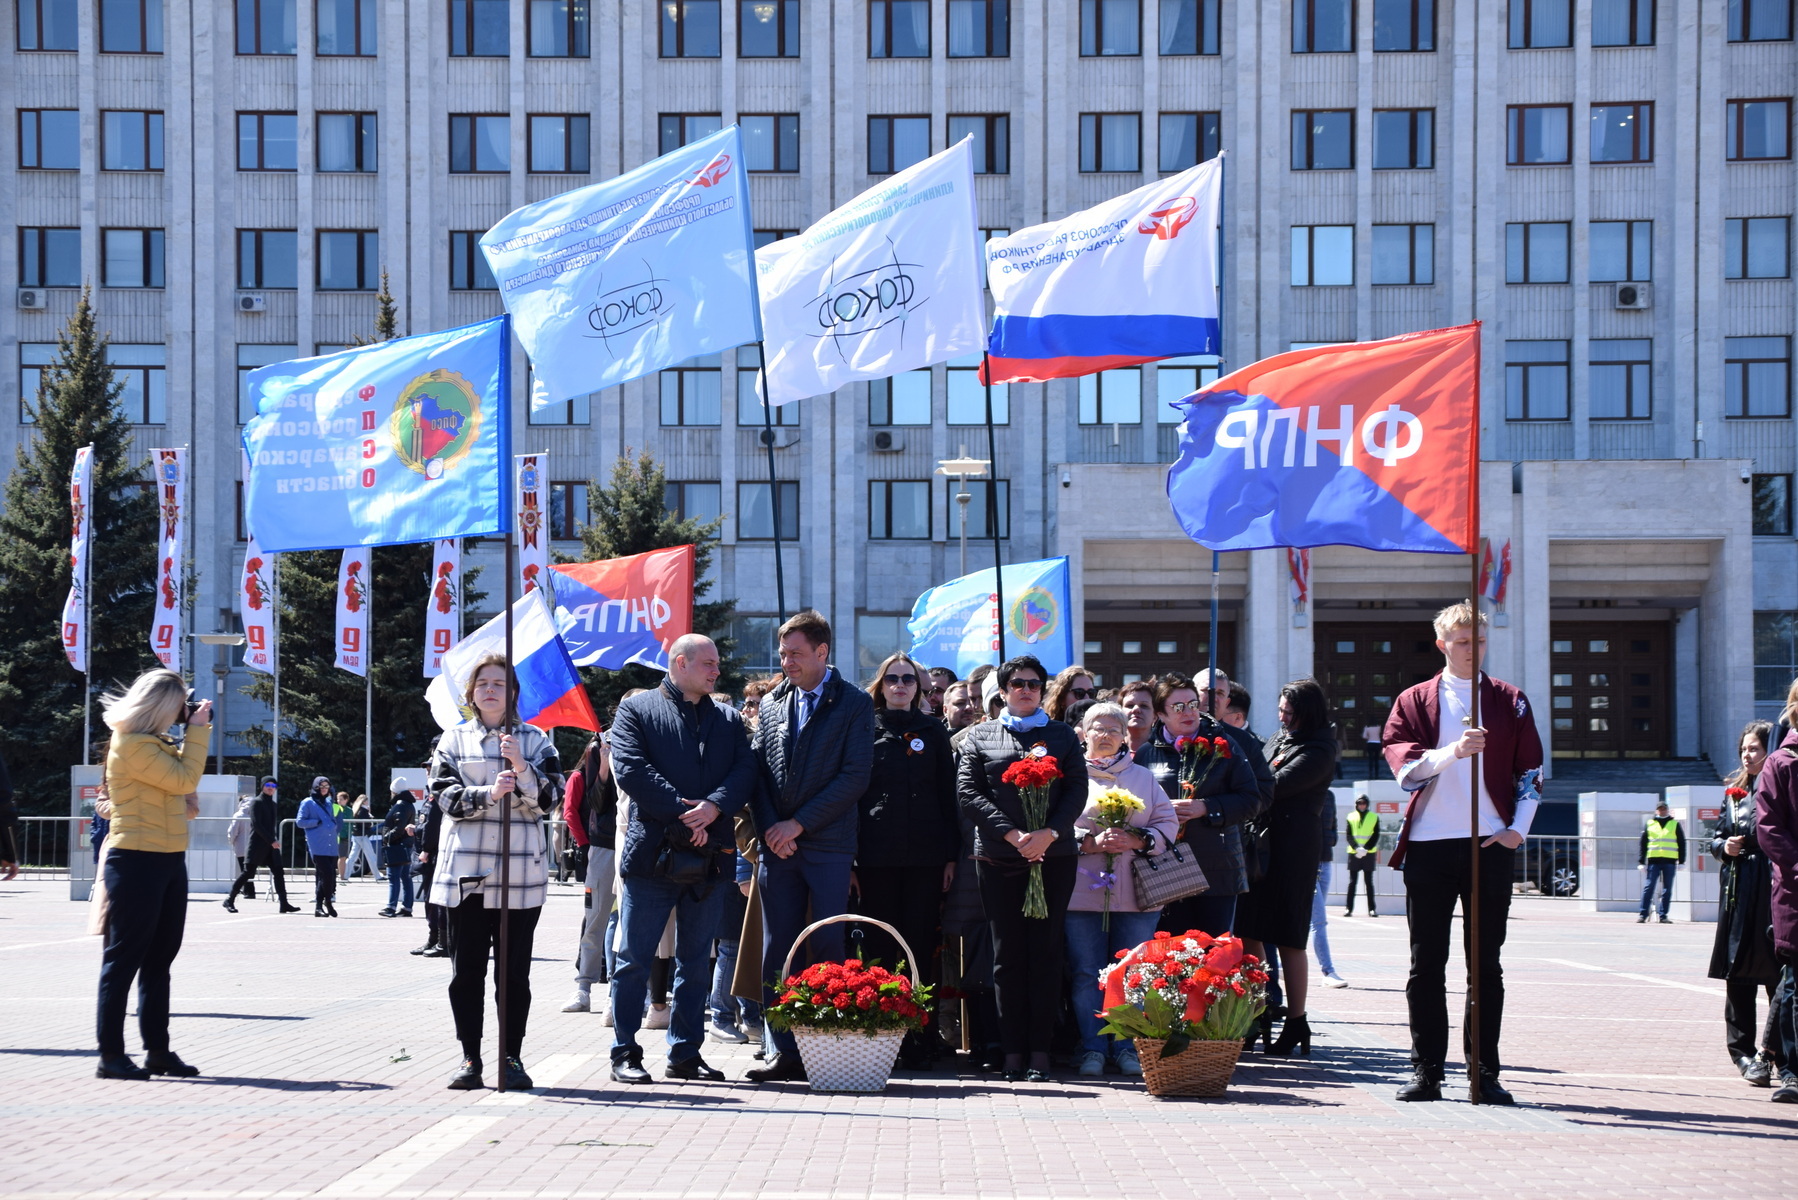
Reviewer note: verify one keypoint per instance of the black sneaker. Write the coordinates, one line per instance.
(693, 1068)
(1493, 1092)
(1757, 1071)
(468, 1079)
(1787, 1091)
(516, 1078)
(437, 952)
(122, 1067)
(422, 949)
(1666, 920)
(385, 912)
(1425, 1083)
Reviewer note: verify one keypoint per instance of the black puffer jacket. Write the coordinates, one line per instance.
(995, 806)
(1232, 797)
(909, 815)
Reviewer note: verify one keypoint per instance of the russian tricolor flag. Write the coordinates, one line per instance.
(549, 689)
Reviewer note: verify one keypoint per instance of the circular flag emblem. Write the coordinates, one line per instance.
(1039, 751)
(1035, 616)
(435, 422)
(917, 745)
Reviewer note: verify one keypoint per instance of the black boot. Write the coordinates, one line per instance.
(1491, 1092)
(1425, 1083)
(167, 1062)
(1295, 1035)
(119, 1067)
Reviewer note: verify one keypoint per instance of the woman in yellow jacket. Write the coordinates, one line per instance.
(150, 776)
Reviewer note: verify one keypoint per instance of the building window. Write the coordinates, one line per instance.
(751, 412)
(267, 26)
(895, 143)
(49, 257)
(1188, 139)
(992, 141)
(1323, 255)
(1536, 251)
(347, 142)
(1404, 139)
(768, 28)
(979, 28)
(770, 142)
(1773, 505)
(34, 357)
(576, 410)
(1757, 247)
(558, 29)
(1775, 659)
(130, 27)
(1111, 397)
(980, 523)
(469, 271)
(689, 28)
(131, 258)
(878, 635)
(1177, 378)
(692, 393)
(1622, 133)
(966, 399)
(1758, 129)
(1110, 142)
(767, 237)
(1110, 27)
(567, 510)
(251, 358)
(1189, 26)
(1323, 140)
(1323, 26)
(1404, 254)
(903, 399)
(349, 260)
(268, 141)
(480, 144)
(899, 29)
(558, 144)
(1404, 25)
(1539, 24)
(130, 141)
(755, 512)
(141, 369)
(1624, 22)
(47, 24)
(754, 641)
(1620, 251)
(702, 502)
(1757, 376)
(1538, 134)
(678, 129)
(899, 509)
(480, 29)
(1536, 380)
(268, 258)
(1752, 21)
(346, 28)
(1620, 375)
(50, 139)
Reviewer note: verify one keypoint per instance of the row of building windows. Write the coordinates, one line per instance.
(1757, 378)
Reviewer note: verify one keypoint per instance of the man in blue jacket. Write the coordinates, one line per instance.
(684, 765)
(814, 743)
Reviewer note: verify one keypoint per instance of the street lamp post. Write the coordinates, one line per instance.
(220, 669)
(961, 469)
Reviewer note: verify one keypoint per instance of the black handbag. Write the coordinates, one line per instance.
(1163, 878)
(1257, 850)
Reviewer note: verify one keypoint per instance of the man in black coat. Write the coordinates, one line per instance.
(264, 849)
(815, 746)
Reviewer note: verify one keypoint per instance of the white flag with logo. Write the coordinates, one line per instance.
(887, 283)
(74, 609)
(171, 523)
(443, 610)
(352, 610)
(531, 523)
(256, 605)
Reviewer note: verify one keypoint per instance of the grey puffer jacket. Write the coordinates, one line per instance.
(819, 777)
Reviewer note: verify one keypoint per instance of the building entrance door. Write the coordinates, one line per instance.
(1365, 665)
(1611, 682)
(1121, 652)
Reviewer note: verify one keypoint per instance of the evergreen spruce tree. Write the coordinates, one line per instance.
(40, 693)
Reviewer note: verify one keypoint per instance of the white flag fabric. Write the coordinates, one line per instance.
(171, 525)
(888, 283)
(352, 611)
(74, 609)
(256, 604)
(531, 522)
(443, 611)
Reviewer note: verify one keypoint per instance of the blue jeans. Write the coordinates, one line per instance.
(1320, 920)
(399, 878)
(643, 912)
(728, 1009)
(787, 886)
(1785, 1018)
(1662, 869)
(1091, 949)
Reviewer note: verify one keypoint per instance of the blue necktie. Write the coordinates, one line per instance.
(807, 700)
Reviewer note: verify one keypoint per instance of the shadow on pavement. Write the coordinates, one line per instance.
(238, 1017)
(46, 1050)
(290, 1085)
(1615, 1116)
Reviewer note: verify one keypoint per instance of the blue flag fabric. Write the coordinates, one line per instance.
(957, 624)
(401, 441)
(619, 280)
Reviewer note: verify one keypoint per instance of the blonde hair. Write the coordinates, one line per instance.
(153, 702)
(1102, 710)
(1459, 615)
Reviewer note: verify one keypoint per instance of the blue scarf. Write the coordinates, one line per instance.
(1035, 720)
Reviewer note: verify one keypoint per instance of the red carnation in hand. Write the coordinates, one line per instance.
(1223, 746)
(1736, 793)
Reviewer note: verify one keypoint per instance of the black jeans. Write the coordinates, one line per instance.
(910, 899)
(1741, 997)
(324, 879)
(1362, 869)
(146, 897)
(1027, 952)
(474, 937)
(1437, 875)
(259, 856)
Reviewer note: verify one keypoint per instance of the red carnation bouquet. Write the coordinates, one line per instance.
(1033, 775)
(850, 997)
(1182, 989)
(1736, 793)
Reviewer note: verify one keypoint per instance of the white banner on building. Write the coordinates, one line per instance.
(352, 611)
(74, 609)
(443, 610)
(531, 522)
(256, 605)
(171, 524)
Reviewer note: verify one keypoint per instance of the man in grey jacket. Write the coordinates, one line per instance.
(815, 746)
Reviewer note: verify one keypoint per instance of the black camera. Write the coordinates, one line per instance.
(187, 713)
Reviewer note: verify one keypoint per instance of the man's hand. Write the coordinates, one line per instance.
(948, 876)
(1471, 742)
(783, 838)
(1510, 839)
(424, 856)
(699, 814)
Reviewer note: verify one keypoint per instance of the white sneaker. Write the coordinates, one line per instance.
(581, 1001)
(728, 1033)
(1332, 979)
(1092, 1064)
(606, 1019)
(658, 1017)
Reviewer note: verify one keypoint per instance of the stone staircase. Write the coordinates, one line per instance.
(1575, 775)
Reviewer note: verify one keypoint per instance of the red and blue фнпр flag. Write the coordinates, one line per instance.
(1372, 444)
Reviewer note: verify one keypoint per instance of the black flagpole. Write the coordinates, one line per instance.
(992, 502)
(780, 578)
(1471, 913)
(505, 822)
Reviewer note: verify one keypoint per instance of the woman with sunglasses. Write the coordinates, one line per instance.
(1068, 689)
(909, 835)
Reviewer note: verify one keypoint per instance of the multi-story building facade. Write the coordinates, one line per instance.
(1607, 185)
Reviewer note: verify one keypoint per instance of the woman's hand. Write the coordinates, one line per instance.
(193, 806)
(1117, 841)
(508, 750)
(1733, 846)
(1035, 844)
(948, 876)
(505, 785)
(202, 713)
(1188, 809)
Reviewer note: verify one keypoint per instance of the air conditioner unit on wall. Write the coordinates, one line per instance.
(252, 302)
(1633, 295)
(780, 437)
(32, 298)
(885, 441)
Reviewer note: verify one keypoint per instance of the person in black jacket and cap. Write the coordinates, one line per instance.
(264, 849)
(909, 834)
(430, 839)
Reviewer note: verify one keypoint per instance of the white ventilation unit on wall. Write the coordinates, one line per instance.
(1633, 295)
(252, 302)
(31, 298)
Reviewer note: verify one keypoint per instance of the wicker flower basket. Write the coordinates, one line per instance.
(1202, 1069)
(839, 1061)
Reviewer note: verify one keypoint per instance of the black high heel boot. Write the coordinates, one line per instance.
(1294, 1035)
(1263, 1029)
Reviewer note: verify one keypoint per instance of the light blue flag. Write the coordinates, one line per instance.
(615, 281)
(957, 624)
(401, 441)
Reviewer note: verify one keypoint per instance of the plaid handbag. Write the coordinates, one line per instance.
(1163, 878)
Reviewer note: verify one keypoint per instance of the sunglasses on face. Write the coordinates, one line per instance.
(1082, 693)
(896, 680)
(1029, 685)
(1186, 706)
(935, 691)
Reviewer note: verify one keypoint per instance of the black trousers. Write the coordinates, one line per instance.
(1362, 869)
(1741, 996)
(1437, 875)
(1028, 952)
(324, 879)
(146, 916)
(260, 856)
(910, 899)
(474, 938)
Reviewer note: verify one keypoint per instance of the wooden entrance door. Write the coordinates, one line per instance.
(1120, 652)
(1611, 687)
(1364, 666)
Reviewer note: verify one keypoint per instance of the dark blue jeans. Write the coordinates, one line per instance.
(146, 896)
(643, 909)
(788, 886)
(1785, 1017)
(1090, 950)
(1661, 869)
(399, 878)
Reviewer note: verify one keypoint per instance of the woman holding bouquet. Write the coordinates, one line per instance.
(1743, 955)
(1022, 782)
(1126, 812)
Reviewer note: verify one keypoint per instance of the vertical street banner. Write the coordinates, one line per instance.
(531, 522)
(1298, 571)
(256, 605)
(443, 610)
(615, 281)
(170, 466)
(626, 610)
(956, 624)
(887, 283)
(352, 611)
(74, 609)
